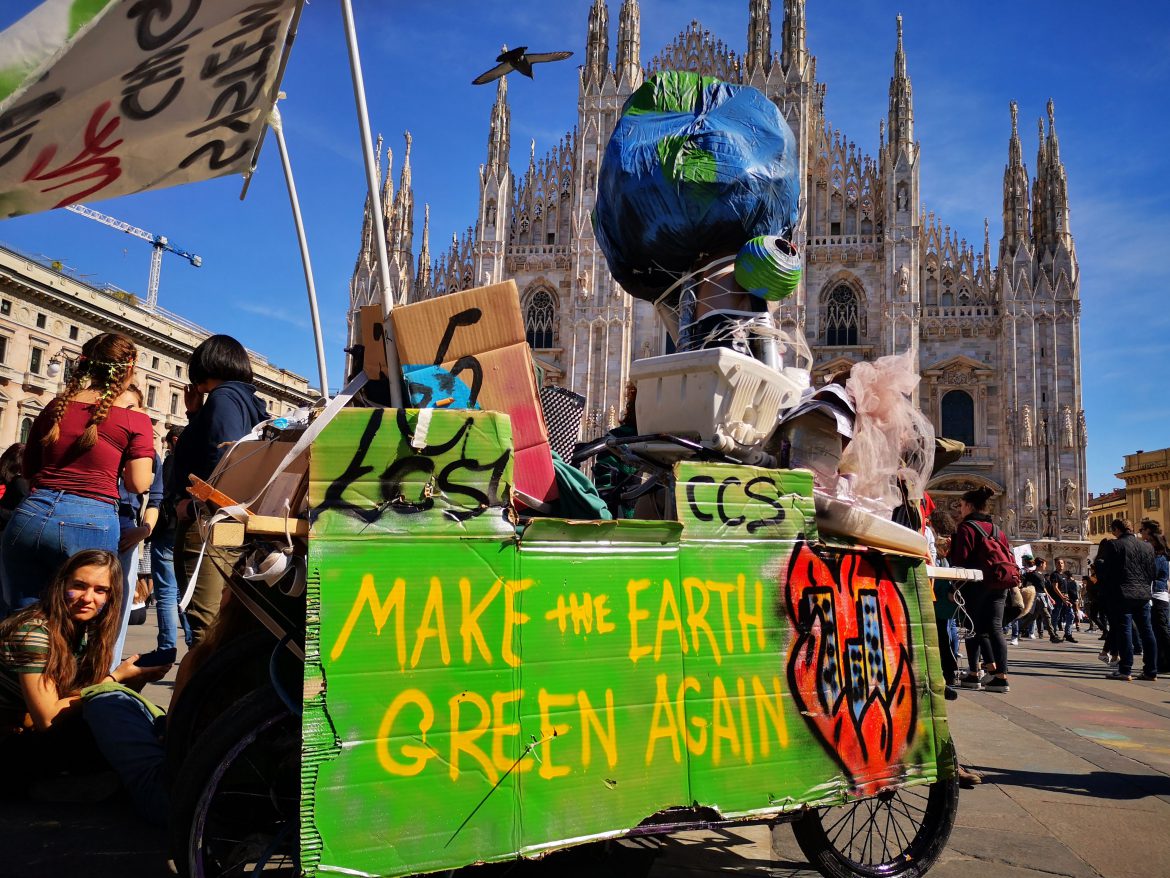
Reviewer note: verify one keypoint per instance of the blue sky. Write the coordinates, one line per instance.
(1105, 65)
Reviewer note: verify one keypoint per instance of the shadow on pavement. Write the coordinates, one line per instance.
(1095, 784)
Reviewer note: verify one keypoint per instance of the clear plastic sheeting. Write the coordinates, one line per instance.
(694, 166)
(892, 440)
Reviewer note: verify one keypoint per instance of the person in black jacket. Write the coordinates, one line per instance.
(222, 406)
(1128, 570)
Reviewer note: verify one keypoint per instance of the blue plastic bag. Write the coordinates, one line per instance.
(694, 167)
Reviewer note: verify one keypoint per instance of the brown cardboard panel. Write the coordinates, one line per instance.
(374, 340)
(508, 386)
(458, 324)
(247, 466)
(533, 472)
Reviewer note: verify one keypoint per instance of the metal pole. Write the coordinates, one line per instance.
(372, 182)
(278, 129)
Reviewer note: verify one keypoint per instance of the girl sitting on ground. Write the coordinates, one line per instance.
(52, 650)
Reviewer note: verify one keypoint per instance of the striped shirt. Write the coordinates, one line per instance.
(24, 651)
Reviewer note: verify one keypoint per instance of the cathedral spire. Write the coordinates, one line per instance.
(499, 134)
(629, 47)
(1039, 190)
(794, 45)
(402, 218)
(901, 100)
(597, 44)
(1055, 190)
(759, 39)
(1015, 193)
(422, 278)
(368, 212)
(388, 194)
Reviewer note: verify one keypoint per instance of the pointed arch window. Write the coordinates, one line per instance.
(540, 319)
(958, 416)
(842, 317)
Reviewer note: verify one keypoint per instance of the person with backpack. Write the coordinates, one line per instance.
(979, 544)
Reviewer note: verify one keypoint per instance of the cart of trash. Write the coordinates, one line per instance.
(458, 651)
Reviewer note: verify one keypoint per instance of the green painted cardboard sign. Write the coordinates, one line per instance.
(477, 694)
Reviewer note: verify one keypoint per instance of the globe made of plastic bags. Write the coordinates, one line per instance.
(695, 167)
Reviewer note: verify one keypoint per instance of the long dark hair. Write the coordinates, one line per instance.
(1158, 542)
(10, 462)
(62, 669)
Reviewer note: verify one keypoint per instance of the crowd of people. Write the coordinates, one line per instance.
(1124, 598)
(86, 504)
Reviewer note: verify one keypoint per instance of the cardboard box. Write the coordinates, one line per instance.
(468, 350)
(459, 324)
(373, 335)
(247, 465)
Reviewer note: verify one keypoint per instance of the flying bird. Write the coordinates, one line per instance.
(518, 59)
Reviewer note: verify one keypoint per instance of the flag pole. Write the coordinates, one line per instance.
(274, 122)
(373, 183)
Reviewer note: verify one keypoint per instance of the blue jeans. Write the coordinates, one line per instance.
(166, 595)
(125, 733)
(1136, 612)
(47, 528)
(1063, 614)
(953, 635)
(129, 561)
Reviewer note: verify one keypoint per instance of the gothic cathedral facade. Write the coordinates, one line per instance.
(997, 341)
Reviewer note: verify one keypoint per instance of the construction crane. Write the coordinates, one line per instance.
(158, 242)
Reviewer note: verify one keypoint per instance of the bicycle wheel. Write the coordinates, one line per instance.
(231, 672)
(898, 833)
(235, 804)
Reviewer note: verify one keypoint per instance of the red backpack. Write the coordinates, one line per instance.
(1000, 570)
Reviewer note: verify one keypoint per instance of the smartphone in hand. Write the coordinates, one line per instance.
(157, 658)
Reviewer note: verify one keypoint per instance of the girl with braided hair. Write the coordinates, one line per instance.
(77, 448)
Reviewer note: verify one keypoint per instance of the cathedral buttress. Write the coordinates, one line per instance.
(495, 193)
(628, 68)
(759, 40)
(901, 311)
(793, 40)
(1016, 213)
(596, 46)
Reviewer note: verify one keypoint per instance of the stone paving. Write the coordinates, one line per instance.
(1077, 773)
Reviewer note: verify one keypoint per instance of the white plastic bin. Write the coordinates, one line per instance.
(716, 395)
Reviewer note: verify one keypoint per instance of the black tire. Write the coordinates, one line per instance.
(898, 833)
(235, 805)
(228, 674)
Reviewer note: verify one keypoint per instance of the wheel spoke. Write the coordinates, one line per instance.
(903, 840)
(847, 813)
(857, 806)
(869, 830)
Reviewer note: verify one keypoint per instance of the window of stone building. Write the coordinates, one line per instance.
(154, 362)
(151, 395)
(36, 355)
(550, 238)
(41, 321)
(73, 333)
(1151, 498)
(841, 317)
(958, 416)
(3, 348)
(174, 403)
(539, 319)
(178, 371)
(5, 307)
(25, 428)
